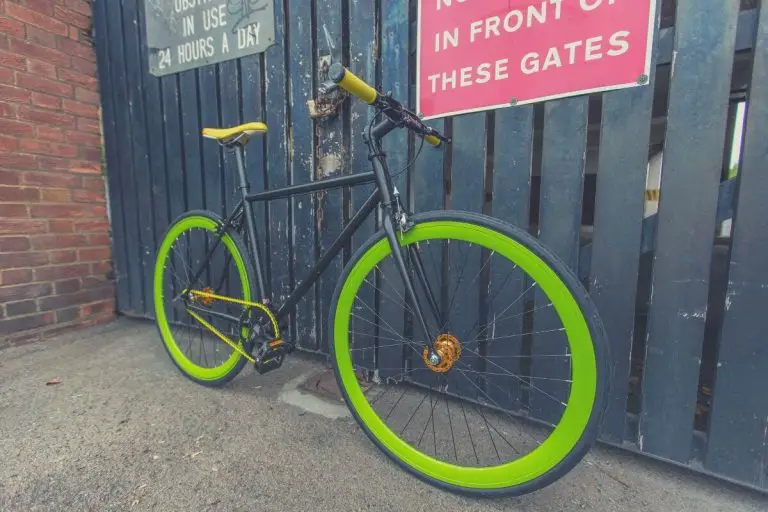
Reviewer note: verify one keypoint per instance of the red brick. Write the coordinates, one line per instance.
(47, 242)
(83, 66)
(51, 179)
(11, 27)
(61, 226)
(41, 37)
(93, 183)
(6, 76)
(7, 110)
(21, 227)
(84, 296)
(14, 211)
(14, 244)
(88, 196)
(48, 133)
(46, 116)
(4, 42)
(9, 177)
(85, 139)
(12, 60)
(103, 268)
(80, 108)
(67, 315)
(90, 226)
(16, 161)
(81, 6)
(71, 17)
(77, 49)
(96, 308)
(95, 282)
(81, 167)
(87, 96)
(40, 99)
(87, 81)
(19, 194)
(8, 143)
(16, 276)
(17, 128)
(25, 259)
(56, 195)
(41, 52)
(60, 257)
(36, 19)
(23, 307)
(61, 211)
(48, 148)
(89, 125)
(61, 272)
(99, 239)
(25, 323)
(27, 291)
(96, 254)
(14, 94)
(92, 155)
(42, 6)
(41, 84)
(42, 68)
(74, 33)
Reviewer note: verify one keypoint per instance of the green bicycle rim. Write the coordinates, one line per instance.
(577, 414)
(190, 368)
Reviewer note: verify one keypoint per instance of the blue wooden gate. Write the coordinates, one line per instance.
(655, 195)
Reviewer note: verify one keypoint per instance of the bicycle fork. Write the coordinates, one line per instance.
(390, 229)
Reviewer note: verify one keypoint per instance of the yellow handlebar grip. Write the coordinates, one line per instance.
(431, 139)
(352, 84)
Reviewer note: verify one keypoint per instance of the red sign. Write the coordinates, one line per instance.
(478, 55)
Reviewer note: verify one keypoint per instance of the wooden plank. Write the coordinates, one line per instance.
(302, 165)
(174, 149)
(211, 151)
(513, 167)
(138, 137)
(125, 156)
(618, 226)
(330, 162)
(363, 44)
(230, 101)
(464, 280)
(276, 114)
(686, 224)
(252, 98)
(562, 182)
(157, 164)
(395, 79)
(737, 445)
(107, 84)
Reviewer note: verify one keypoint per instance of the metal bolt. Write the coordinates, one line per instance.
(513, 101)
(642, 79)
(434, 359)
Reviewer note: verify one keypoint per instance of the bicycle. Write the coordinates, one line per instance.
(521, 386)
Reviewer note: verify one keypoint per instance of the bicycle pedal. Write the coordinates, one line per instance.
(270, 357)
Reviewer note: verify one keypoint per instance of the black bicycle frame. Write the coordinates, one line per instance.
(383, 195)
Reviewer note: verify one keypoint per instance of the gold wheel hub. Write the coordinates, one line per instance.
(204, 297)
(447, 350)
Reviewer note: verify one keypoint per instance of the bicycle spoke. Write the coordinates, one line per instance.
(450, 425)
(489, 433)
(472, 442)
(413, 414)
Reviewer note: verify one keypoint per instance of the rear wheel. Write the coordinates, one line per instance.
(193, 348)
(512, 395)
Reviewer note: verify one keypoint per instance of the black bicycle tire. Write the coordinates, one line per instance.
(239, 244)
(591, 315)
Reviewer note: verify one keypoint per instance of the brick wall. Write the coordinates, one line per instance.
(55, 254)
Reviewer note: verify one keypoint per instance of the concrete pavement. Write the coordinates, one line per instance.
(125, 431)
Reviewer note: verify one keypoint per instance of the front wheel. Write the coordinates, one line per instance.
(505, 393)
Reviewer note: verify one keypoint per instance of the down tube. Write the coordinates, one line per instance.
(327, 258)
